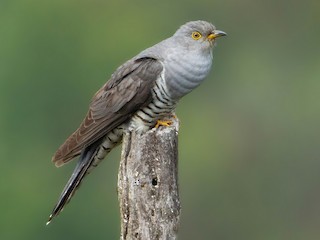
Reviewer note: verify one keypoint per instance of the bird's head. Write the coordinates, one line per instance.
(198, 34)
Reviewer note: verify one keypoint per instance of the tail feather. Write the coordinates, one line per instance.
(84, 163)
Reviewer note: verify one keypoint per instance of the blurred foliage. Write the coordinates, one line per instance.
(249, 137)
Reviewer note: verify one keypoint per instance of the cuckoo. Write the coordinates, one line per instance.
(138, 96)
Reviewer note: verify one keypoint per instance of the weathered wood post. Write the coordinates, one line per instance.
(148, 184)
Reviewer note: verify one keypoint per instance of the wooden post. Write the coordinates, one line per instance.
(148, 184)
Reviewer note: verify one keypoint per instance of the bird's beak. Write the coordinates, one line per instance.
(215, 34)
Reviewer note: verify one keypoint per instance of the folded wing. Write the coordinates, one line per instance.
(127, 91)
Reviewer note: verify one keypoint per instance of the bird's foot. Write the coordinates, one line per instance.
(165, 123)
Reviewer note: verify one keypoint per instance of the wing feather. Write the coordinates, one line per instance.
(127, 91)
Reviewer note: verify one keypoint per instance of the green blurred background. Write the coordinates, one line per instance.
(249, 138)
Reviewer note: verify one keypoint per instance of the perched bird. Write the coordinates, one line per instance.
(138, 96)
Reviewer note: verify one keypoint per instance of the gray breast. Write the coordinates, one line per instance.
(183, 73)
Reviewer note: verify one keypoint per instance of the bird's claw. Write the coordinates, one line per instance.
(165, 123)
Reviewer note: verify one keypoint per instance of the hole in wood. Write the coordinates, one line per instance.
(154, 181)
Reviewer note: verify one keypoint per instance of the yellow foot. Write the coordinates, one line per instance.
(165, 123)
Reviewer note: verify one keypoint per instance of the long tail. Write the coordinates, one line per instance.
(86, 159)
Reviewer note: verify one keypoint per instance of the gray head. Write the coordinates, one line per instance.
(197, 34)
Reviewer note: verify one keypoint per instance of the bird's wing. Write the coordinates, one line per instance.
(127, 91)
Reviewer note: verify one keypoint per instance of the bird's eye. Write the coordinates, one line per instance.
(196, 35)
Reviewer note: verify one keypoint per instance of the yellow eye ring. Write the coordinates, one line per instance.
(196, 35)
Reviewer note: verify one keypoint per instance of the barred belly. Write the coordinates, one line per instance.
(160, 107)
